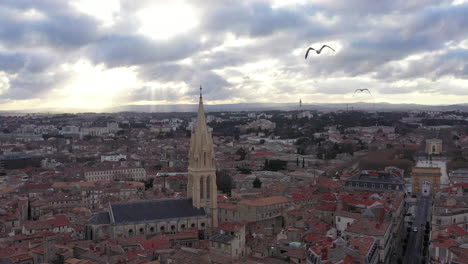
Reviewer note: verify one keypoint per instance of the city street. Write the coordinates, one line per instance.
(414, 254)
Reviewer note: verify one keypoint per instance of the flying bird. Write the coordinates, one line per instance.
(317, 51)
(362, 90)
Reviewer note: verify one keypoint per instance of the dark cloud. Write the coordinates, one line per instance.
(62, 27)
(127, 50)
(11, 62)
(251, 18)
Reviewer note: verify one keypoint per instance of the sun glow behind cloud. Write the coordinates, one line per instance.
(165, 20)
(94, 86)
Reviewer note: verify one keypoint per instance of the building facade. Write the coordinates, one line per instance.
(426, 181)
(434, 146)
(375, 181)
(135, 174)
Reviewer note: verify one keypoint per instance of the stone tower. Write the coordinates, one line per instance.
(202, 171)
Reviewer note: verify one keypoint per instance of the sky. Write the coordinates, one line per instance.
(93, 55)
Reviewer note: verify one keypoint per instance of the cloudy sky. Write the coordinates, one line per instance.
(95, 54)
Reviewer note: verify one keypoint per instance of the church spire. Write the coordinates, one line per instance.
(202, 171)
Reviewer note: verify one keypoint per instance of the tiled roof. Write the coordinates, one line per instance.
(363, 244)
(326, 206)
(228, 206)
(368, 227)
(154, 209)
(265, 201)
(231, 226)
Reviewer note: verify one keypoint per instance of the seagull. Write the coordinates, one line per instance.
(317, 51)
(362, 90)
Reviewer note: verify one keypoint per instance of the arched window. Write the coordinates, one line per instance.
(162, 228)
(152, 229)
(201, 187)
(141, 230)
(192, 225)
(182, 226)
(202, 224)
(172, 227)
(130, 232)
(208, 185)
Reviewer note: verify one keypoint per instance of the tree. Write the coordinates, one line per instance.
(242, 153)
(224, 181)
(276, 165)
(257, 183)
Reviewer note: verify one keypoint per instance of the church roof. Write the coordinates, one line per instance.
(154, 210)
(100, 218)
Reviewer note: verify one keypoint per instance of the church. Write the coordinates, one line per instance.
(199, 209)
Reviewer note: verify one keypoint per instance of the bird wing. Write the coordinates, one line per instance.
(307, 53)
(320, 50)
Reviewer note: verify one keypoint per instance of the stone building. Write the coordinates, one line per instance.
(375, 181)
(434, 146)
(199, 210)
(426, 181)
(229, 240)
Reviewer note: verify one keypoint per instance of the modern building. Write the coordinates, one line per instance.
(199, 210)
(434, 146)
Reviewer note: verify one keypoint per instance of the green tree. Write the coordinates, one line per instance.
(257, 183)
(242, 153)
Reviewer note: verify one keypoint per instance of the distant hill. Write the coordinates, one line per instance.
(289, 107)
(259, 107)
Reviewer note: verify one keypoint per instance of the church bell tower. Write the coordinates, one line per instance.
(202, 170)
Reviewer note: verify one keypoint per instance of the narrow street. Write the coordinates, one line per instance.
(414, 250)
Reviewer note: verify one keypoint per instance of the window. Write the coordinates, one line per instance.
(208, 186)
(202, 195)
(172, 227)
(192, 225)
(339, 219)
(182, 226)
(141, 230)
(130, 232)
(152, 229)
(203, 224)
(162, 228)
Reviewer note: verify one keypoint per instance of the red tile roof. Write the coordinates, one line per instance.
(363, 244)
(326, 206)
(272, 200)
(228, 206)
